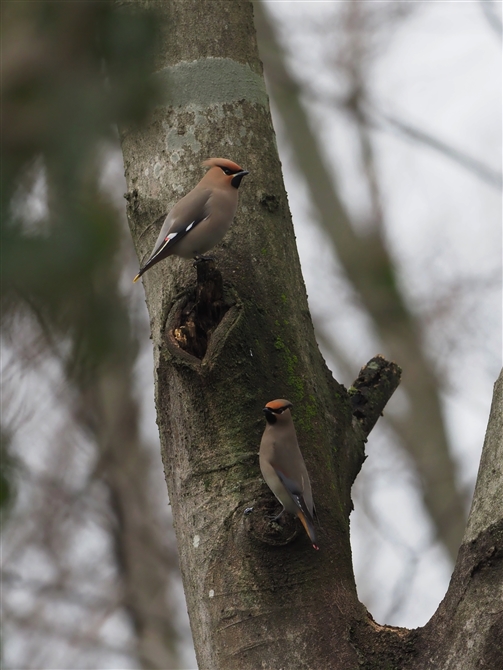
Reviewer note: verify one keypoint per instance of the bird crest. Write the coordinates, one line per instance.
(223, 163)
(278, 404)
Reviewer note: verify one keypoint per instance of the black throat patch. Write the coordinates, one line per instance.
(270, 416)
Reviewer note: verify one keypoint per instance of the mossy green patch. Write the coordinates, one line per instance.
(305, 409)
(293, 380)
(278, 342)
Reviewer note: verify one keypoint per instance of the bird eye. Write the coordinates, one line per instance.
(227, 171)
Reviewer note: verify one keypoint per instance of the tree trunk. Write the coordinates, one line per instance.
(258, 595)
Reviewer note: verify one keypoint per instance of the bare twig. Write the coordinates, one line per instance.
(380, 120)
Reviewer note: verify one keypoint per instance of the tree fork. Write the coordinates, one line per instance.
(256, 598)
(240, 572)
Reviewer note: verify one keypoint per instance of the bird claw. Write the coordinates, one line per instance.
(275, 517)
(201, 259)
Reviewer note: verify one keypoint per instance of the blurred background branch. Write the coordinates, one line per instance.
(489, 7)
(378, 119)
(89, 508)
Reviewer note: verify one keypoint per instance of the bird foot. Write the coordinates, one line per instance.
(274, 517)
(201, 259)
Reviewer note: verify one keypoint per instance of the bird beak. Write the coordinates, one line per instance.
(236, 180)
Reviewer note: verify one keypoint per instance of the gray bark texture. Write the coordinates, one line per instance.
(258, 595)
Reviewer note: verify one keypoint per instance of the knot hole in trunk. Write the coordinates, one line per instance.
(203, 310)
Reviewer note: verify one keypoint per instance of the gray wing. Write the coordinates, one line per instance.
(185, 215)
(305, 514)
(295, 493)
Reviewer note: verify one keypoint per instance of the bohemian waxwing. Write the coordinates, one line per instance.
(201, 218)
(283, 467)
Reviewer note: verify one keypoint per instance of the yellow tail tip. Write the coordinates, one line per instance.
(136, 279)
(309, 530)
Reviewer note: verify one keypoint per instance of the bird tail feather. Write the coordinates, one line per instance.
(307, 521)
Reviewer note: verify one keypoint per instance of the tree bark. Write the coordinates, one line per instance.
(257, 594)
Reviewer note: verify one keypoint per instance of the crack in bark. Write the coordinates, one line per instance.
(238, 460)
(252, 616)
(252, 645)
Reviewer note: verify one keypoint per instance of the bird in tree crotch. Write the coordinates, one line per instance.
(201, 218)
(283, 467)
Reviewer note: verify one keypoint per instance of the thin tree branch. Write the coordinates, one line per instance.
(379, 120)
(375, 118)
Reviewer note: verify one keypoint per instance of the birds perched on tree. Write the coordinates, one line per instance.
(201, 218)
(283, 467)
